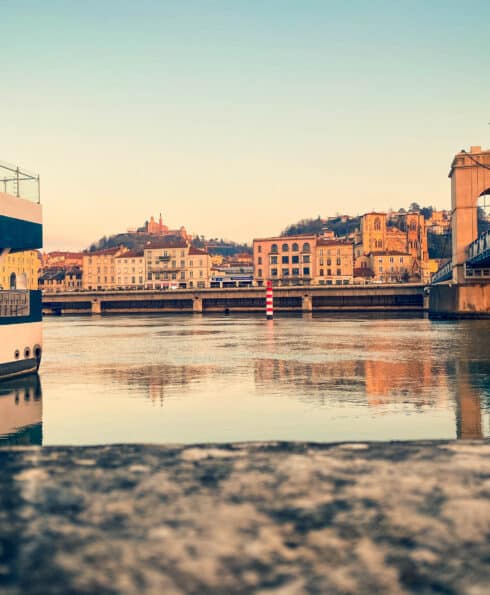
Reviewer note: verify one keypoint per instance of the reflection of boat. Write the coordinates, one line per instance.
(21, 411)
(20, 307)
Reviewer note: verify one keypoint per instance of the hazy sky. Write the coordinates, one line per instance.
(237, 117)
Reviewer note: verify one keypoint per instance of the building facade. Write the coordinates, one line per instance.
(173, 264)
(288, 260)
(99, 268)
(26, 266)
(334, 262)
(130, 270)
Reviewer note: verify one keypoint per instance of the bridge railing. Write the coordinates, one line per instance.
(445, 273)
(477, 273)
(479, 249)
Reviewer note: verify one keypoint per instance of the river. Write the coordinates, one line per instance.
(183, 379)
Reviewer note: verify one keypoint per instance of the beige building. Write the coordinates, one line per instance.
(173, 264)
(130, 270)
(391, 267)
(334, 262)
(288, 260)
(99, 268)
(25, 265)
(57, 280)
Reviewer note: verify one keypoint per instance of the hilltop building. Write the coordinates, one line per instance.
(158, 228)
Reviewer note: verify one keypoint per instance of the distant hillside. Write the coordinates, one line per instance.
(139, 241)
(338, 225)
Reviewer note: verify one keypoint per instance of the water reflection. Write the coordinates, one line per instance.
(297, 378)
(21, 411)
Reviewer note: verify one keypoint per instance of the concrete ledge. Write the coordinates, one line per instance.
(242, 518)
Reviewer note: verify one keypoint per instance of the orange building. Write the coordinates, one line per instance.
(288, 260)
(334, 262)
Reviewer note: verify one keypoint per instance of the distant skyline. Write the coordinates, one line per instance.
(238, 118)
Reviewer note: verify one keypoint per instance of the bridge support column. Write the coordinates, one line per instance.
(96, 307)
(197, 305)
(307, 303)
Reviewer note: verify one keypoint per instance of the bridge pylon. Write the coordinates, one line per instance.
(470, 179)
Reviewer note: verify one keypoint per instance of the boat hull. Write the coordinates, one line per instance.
(20, 348)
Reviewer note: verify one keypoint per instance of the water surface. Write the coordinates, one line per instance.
(178, 378)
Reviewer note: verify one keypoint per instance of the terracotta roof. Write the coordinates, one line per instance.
(388, 253)
(308, 236)
(106, 252)
(196, 251)
(131, 254)
(338, 242)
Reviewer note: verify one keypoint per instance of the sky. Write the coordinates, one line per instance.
(236, 118)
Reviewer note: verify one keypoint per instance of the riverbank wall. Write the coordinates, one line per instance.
(268, 517)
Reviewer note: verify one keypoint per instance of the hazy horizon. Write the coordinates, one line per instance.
(237, 120)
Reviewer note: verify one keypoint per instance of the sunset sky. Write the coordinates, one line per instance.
(237, 117)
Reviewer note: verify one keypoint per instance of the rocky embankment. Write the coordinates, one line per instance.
(246, 518)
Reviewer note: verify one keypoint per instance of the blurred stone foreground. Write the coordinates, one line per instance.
(246, 518)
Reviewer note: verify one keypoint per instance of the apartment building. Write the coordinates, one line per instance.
(334, 262)
(99, 268)
(288, 260)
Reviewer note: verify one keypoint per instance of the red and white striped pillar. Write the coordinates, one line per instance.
(269, 302)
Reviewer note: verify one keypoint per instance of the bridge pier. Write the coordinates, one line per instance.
(307, 303)
(197, 305)
(469, 300)
(96, 306)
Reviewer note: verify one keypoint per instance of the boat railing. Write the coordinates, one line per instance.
(19, 182)
(14, 302)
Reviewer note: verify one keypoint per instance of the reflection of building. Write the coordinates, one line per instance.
(21, 411)
(158, 380)
(468, 406)
(25, 263)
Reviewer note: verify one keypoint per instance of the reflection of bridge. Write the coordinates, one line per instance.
(462, 286)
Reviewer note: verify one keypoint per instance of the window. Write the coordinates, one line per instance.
(377, 224)
(259, 248)
(295, 272)
(321, 262)
(321, 272)
(285, 272)
(295, 247)
(273, 259)
(182, 275)
(339, 272)
(306, 258)
(285, 260)
(329, 272)
(274, 248)
(401, 259)
(321, 251)
(259, 260)
(306, 271)
(339, 262)
(295, 259)
(306, 247)
(392, 259)
(329, 261)
(285, 248)
(259, 273)
(273, 272)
